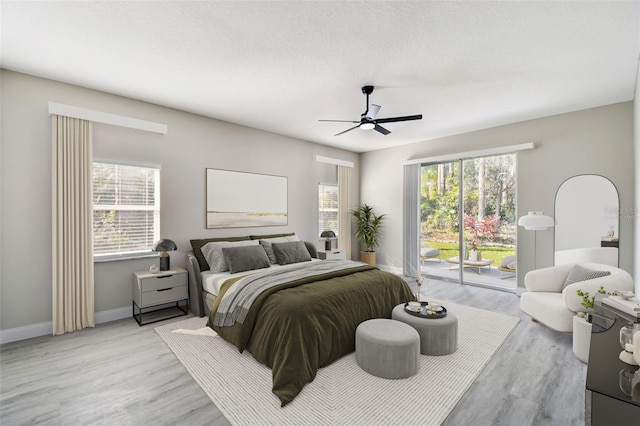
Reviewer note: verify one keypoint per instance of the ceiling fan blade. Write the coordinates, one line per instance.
(341, 121)
(348, 130)
(373, 111)
(394, 119)
(381, 130)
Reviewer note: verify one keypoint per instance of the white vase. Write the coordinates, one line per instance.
(473, 255)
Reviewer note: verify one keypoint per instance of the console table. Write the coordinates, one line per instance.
(606, 403)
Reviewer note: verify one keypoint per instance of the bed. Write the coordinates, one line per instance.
(294, 316)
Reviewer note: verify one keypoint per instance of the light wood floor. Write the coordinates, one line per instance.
(122, 374)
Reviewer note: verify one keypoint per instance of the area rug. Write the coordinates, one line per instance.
(342, 393)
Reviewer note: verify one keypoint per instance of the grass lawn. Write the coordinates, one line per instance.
(496, 253)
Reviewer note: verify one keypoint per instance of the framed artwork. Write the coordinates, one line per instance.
(241, 199)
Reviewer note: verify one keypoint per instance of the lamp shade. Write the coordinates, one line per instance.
(536, 221)
(165, 245)
(328, 234)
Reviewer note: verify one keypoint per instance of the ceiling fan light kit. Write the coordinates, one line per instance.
(368, 120)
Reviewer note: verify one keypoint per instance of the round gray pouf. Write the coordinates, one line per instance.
(388, 349)
(438, 336)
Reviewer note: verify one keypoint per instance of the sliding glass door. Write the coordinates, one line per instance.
(468, 219)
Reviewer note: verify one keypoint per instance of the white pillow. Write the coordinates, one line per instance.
(215, 258)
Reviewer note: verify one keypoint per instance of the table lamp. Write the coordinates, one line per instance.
(164, 246)
(327, 235)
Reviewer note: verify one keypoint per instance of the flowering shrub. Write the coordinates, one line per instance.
(483, 229)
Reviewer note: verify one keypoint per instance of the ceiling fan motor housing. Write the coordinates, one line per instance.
(367, 90)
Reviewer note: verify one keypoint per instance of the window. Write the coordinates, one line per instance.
(126, 209)
(327, 207)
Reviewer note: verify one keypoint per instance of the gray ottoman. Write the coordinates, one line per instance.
(437, 336)
(388, 349)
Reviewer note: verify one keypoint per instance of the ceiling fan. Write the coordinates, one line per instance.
(368, 120)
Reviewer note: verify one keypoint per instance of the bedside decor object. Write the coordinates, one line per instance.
(327, 235)
(154, 269)
(536, 221)
(163, 246)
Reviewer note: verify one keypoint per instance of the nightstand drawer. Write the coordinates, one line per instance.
(332, 255)
(160, 282)
(157, 297)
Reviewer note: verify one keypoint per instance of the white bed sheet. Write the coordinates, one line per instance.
(211, 282)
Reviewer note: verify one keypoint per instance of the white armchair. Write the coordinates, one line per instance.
(546, 301)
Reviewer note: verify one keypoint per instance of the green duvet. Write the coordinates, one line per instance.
(297, 327)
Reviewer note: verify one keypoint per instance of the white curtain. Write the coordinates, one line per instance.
(344, 209)
(411, 222)
(73, 293)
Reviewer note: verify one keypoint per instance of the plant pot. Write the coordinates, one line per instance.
(473, 255)
(368, 257)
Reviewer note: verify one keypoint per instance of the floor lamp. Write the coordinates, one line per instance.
(536, 221)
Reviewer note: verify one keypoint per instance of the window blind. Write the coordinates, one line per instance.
(327, 208)
(126, 208)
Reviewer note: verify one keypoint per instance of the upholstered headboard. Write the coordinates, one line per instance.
(196, 263)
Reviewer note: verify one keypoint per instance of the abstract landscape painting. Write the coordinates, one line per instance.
(240, 199)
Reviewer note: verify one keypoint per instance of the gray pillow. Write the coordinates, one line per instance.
(266, 244)
(311, 248)
(245, 258)
(212, 253)
(291, 252)
(578, 273)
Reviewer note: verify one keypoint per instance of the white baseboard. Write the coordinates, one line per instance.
(113, 314)
(393, 269)
(46, 328)
(26, 332)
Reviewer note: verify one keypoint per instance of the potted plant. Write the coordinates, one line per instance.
(368, 231)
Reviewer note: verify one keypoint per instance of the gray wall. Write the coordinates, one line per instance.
(192, 144)
(598, 141)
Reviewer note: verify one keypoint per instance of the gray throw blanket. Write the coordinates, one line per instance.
(235, 303)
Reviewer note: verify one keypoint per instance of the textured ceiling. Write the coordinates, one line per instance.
(281, 66)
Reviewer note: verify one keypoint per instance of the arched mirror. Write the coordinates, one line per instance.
(586, 213)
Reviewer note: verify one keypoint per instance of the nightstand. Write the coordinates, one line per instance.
(332, 255)
(152, 290)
